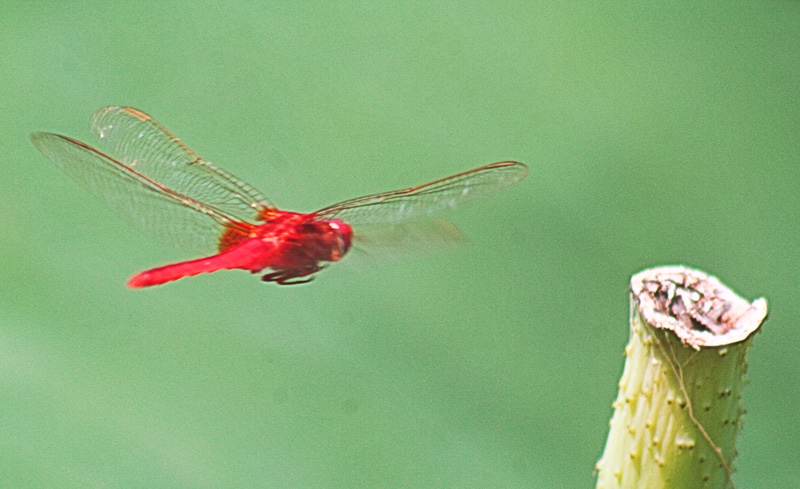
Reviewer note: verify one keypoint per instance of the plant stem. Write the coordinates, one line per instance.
(679, 408)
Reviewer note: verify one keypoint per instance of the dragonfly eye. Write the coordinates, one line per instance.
(344, 238)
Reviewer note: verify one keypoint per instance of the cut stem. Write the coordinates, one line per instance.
(679, 407)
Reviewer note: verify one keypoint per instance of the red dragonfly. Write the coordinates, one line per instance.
(143, 171)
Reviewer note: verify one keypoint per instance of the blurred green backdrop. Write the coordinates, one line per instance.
(656, 135)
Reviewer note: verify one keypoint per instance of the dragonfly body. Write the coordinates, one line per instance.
(292, 245)
(147, 174)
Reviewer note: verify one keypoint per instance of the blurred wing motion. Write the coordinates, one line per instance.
(388, 243)
(426, 200)
(155, 180)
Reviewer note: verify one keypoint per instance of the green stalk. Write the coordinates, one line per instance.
(679, 407)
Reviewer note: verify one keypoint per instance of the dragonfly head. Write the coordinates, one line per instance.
(332, 238)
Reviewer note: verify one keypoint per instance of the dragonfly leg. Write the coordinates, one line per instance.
(285, 281)
(285, 277)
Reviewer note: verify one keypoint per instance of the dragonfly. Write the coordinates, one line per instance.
(141, 170)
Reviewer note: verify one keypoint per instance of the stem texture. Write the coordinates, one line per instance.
(679, 407)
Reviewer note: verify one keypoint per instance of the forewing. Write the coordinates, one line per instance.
(426, 200)
(149, 205)
(137, 141)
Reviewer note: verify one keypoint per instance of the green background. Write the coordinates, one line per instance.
(656, 135)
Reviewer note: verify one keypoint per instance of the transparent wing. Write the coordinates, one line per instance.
(137, 141)
(373, 245)
(425, 200)
(392, 242)
(148, 204)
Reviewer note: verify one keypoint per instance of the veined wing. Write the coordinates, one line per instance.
(150, 205)
(425, 200)
(137, 141)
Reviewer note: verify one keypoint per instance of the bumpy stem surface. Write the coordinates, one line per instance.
(679, 406)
